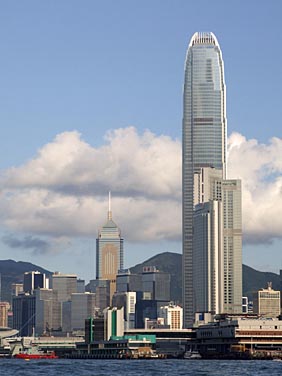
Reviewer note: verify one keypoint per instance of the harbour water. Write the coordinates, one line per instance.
(62, 367)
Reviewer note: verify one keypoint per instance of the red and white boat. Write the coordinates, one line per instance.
(36, 355)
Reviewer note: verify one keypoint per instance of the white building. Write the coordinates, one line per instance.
(217, 243)
(172, 315)
(114, 322)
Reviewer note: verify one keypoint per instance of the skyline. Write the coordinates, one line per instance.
(61, 91)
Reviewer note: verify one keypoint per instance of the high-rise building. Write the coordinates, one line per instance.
(101, 288)
(156, 282)
(34, 280)
(207, 267)
(127, 300)
(16, 289)
(127, 281)
(109, 251)
(24, 310)
(82, 307)
(114, 318)
(65, 285)
(267, 302)
(172, 315)
(48, 312)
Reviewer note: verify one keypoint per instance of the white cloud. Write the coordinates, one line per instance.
(62, 191)
(260, 168)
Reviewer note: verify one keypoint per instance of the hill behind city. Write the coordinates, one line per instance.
(253, 280)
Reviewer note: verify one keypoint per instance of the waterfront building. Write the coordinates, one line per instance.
(114, 322)
(94, 329)
(266, 302)
(4, 309)
(172, 315)
(204, 182)
(240, 337)
(109, 251)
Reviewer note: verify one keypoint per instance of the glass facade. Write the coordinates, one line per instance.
(204, 138)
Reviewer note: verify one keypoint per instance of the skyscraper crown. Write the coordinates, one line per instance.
(203, 38)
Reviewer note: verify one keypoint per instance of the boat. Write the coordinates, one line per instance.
(192, 355)
(36, 355)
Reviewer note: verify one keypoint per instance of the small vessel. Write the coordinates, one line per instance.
(36, 355)
(192, 355)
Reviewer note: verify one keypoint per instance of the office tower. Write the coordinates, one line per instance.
(101, 287)
(33, 280)
(156, 282)
(81, 285)
(232, 245)
(127, 300)
(82, 307)
(65, 285)
(267, 302)
(127, 281)
(203, 174)
(24, 314)
(48, 312)
(207, 258)
(172, 315)
(109, 251)
(217, 243)
(4, 309)
(16, 289)
(94, 329)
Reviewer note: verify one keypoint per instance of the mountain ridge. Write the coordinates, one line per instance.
(12, 272)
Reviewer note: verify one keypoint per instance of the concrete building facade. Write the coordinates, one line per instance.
(266, 302)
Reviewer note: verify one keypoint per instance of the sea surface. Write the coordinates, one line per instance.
(19, 367)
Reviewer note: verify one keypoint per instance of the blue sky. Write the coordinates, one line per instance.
(96, 66)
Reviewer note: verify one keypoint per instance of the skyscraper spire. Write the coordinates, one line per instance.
(109, 211)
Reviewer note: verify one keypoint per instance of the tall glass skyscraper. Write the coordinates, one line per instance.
(204, 141)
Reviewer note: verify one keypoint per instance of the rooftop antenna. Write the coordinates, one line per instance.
(109, 211)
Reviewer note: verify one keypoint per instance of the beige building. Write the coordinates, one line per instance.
(4, 308)
(267, 302)
(109, 252)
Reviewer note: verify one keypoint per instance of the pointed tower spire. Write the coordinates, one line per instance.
(109, 211)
